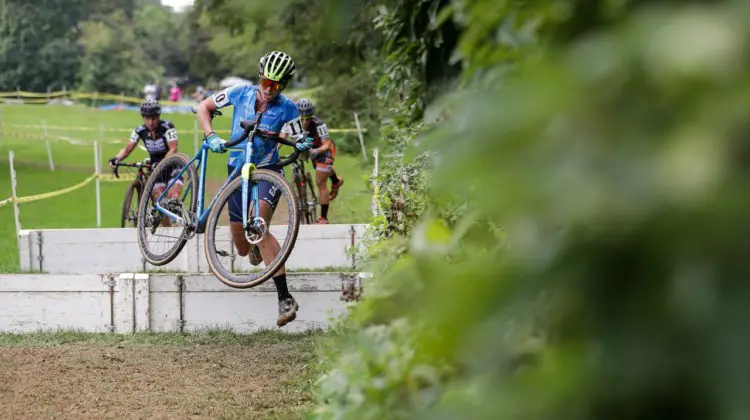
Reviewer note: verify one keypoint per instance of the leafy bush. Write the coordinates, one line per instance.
(597, 271)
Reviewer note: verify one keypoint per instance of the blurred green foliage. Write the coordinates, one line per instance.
(580, 249)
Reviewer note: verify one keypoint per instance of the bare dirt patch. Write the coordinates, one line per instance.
(219, 377)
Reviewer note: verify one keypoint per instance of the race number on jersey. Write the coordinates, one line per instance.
(222, 98)
(293, 127)
(171, 135)
(323, 131)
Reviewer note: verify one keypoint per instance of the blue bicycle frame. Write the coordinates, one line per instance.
(201, 213)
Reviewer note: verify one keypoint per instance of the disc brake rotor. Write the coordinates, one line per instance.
(256, 230)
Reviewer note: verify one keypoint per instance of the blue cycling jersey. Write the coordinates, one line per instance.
(279, 113)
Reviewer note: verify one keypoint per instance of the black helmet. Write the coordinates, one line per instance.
(306, 107)
(150, 108)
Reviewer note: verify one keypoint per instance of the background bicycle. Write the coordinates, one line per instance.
(135, 190)
(305, 187)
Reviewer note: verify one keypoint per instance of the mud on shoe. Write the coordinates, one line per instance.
(287, 311)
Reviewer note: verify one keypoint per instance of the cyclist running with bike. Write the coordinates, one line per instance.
(160, 140)
(279, 115)
(323, 154)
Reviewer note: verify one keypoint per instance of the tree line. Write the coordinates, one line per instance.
(119, 45)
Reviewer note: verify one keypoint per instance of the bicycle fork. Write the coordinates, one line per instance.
(255, 227)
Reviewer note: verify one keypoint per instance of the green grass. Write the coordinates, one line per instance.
(74, 163)
(209, 336)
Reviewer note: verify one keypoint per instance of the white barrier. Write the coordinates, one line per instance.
(129, 303)
(95, 251)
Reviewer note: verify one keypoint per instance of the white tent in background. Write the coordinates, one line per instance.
(233, 80)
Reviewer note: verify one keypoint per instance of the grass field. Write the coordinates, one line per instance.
(209, 375)
(75, 162)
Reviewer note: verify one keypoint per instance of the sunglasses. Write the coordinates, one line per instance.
(268, 83)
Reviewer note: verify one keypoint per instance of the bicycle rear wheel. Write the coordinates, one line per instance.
(130, 205)
(160, 248)
(223, 259)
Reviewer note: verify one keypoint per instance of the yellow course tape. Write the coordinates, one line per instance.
(26, 101)
(23, 94)
(55, 138)
(122, 178)
(37, 197)
(42, 94)
(56, 193)
(119, 97)
(128, 130)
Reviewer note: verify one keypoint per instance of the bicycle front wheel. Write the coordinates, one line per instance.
(227, 258)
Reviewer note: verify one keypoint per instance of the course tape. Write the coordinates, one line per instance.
(78, 142)
(42, 97)
(22, 95)
(128, 130)
(51, 194)
(43, 196)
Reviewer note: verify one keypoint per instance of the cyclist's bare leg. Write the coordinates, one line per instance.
(322, 181)
(174, 192)
(155, 193)
(239, 239)
(325, 197)
(336, 183)
(332, 174)
(269, 247)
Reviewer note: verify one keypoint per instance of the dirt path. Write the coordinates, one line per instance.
(141, 380)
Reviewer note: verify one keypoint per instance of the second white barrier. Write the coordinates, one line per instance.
(138, 302)
(94, 251)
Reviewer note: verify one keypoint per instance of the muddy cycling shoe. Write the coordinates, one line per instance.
(287, 311)
(255, 257)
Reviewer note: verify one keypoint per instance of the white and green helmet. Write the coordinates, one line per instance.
(277, 66)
